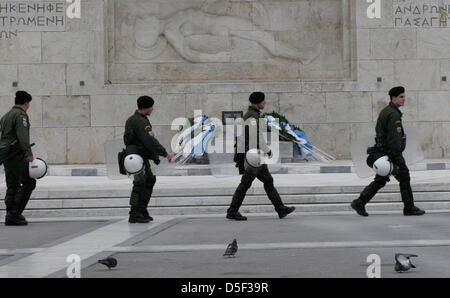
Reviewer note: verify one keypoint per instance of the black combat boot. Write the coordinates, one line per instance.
(146, 214)
(413, 210)
(136, 216)
(12, 219)
(236, 216)
(358, 206)
(284, 210)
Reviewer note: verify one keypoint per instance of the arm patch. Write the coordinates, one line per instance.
(24, 121)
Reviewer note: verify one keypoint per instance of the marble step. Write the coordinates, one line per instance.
(68, 203)
(124, 191)
(97, 206)
(245, 209)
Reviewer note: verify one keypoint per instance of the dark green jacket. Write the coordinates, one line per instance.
(252, 118)
(15, 125)
(138, 132)
(391, 138)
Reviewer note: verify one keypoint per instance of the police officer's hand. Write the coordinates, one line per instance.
(169, 157)
(156, 161)
(396, 170)
(30, 158)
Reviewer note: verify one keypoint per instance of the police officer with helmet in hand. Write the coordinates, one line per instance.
(15, 144)
(257, 103)
(139, 139)
(391, 141)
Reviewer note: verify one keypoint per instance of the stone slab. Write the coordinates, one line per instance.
(62, 111)
(436, 166)
(288, 263)
(43, 79)
(84, 172)
(335, 169)
(38, 234)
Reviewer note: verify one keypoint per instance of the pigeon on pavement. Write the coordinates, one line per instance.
(231, 249)
(109, 262)
(403, 263)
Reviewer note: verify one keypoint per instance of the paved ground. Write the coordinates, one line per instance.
(39, 234)
(301, 245)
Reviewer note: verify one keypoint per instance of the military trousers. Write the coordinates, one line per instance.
(246, 182)
(402, 176)
(19, 185)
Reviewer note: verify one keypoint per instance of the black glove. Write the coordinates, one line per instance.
(156, 161)
(395, 171)
(269, 153)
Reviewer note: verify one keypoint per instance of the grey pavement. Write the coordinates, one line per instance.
(181, 244)
(40, 234)
(301, 245)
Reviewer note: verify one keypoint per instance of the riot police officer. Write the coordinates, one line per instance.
(257, 100)
(390, 140)
(15, 136)
(139, 139)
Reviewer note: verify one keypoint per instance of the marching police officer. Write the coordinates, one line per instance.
(257, 100)
(391, 140)
(139, 139)
(15, 134)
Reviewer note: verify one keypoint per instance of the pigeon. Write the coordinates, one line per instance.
(109, 262)
(403, 263)
(231, 249)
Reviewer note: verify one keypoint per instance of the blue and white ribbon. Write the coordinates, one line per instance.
(306, 149)
(189, 147)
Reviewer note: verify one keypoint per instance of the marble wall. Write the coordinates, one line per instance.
(192, 40)
(322, 63)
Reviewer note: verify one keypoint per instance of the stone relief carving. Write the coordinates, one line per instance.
(205, 33)
(155, 40)
(203, 37)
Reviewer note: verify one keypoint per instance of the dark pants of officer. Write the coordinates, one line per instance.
(379, 182)
(142, 189)
(246, 182)
(19, 185)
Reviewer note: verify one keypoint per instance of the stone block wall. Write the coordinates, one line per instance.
(85, 85)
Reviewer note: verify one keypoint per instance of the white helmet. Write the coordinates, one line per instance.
(254, 158)
(37, 168)
(134, 164)
(383, 166)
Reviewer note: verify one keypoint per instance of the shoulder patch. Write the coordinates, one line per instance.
(147, 127)
(25, 121)
(399, 129)
(398, 122)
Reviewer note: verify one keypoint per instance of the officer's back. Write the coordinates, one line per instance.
(15, 126)
(15, 143)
